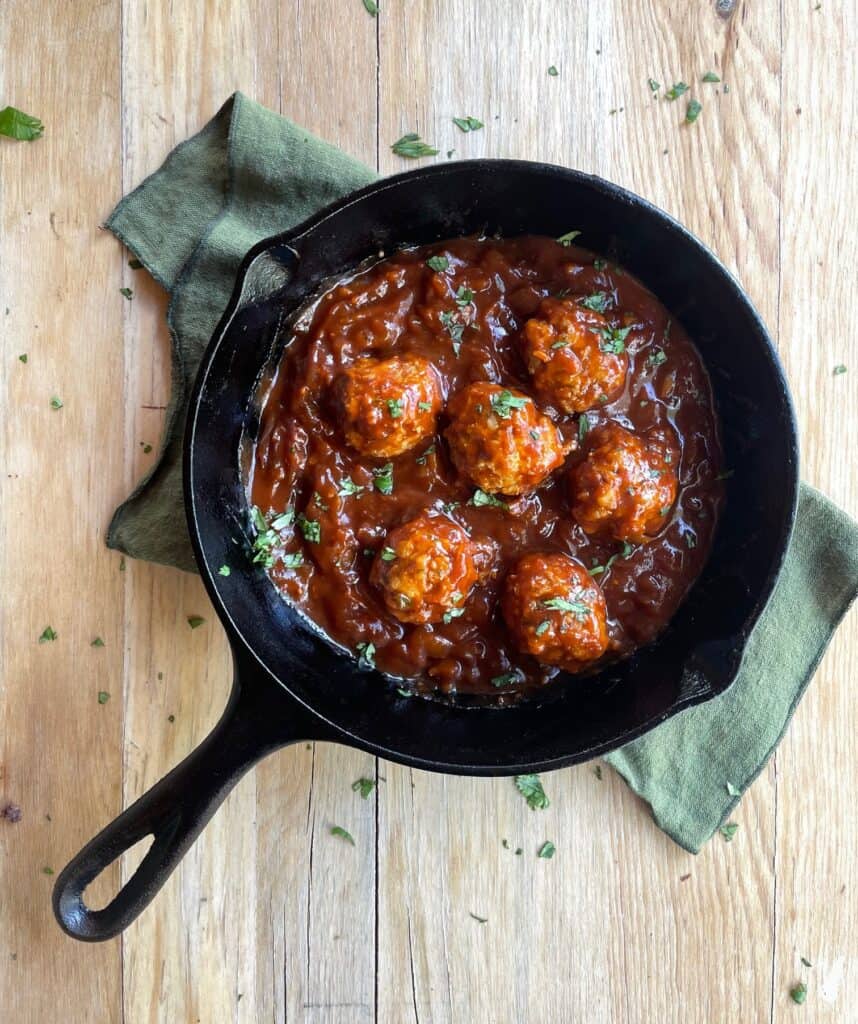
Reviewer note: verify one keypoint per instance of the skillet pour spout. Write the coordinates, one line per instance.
(290, 683)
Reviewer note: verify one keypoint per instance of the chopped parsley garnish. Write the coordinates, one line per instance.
(567, 239)
(103, 696)
(464, 297)
(147, 448)
(531, 789)
(598, 302)
(283, 520)
(195, 621)
(664, 510)
(534, 434)
(48, 635)
(293, 561)
(266, 539)
(56, 402)
(690, 541)
(467, 124)
(840, 368)
(482, 920)
(562, 343)
(454, 328)
(412, 147)
(729, 830)
(543, 627)
(15, 124)
(452, 613)
(560, 604)
(341, 833)
(383, 478)
(424, 406)
(653, 84)
(599, 264)
(597, 771)
(710, 76)
(583, 427)
(23, 357)
(404, 693)
(449, 507)
(806, 962)
(438, 263)
(47, 871)
(693, 111)
(547, 850)
(97, 642)
(506, 679)
(371, 7)
(798, 994)
(614, 339)
(675, 91)
(317, 500)
(656, 358)
(421, 459)
(504, 402)
(366, 654)
(364, 787)
(224, 570)
(394, 407)
(135, 264)
(387, 554)
(731, 790)
(483, 500)
(127, 292)
(348, 487)
(311, 530)
(553, 71)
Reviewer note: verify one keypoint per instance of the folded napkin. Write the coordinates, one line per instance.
(251, 173)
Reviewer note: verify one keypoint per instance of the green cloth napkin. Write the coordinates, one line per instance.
(251, 173)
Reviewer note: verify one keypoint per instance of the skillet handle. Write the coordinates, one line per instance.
(258, 719)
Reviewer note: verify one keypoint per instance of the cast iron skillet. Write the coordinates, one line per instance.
(290, 684)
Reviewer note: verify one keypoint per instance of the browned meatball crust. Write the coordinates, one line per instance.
(427, 567)
(388, 405)
(555, 611)
(500, 440)
(576, 358)
(625, 486)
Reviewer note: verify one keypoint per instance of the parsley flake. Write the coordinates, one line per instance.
(710, 76)
(371, 7)
(56, 403)
(798, 994)
(387, 554)
(452, 613)
(464, 297)
(224, 570)
(675, 91)
(693, 111)
(567, 239)
(438, 263)
(547, 850)
(731, 790)
(412, 147)
(293, 561)
(366, 654)
(421, 459)
(806, 962)
(728, 831)
(653, 85)
(341, 833)
(97, 642)
(482, 920)
(135, 264)
(15, 124)
(311, 530)
(48, 635)
(531, 789)
(560, 604)
(553, 71)
(504, 402)
(394, 407)
(23, 357)
(656, 358)
(543, 627)
(583, 427)
(424, 406)
(483, 500)
(506, 679)
(195, 621)
(364, 787)
(840, 368)
(467, 124)
(383, 478)
(103, 696)
(127, 292)
(614, 339)
(348, 487)
(454, 328)
(599, 264)
(598, 302)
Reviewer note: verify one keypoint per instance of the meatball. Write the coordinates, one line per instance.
(555, 611)
(625, 486)
(427, 568)
(501, 441)
(577, 360)
(388, 405)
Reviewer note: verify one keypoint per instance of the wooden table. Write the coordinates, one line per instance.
(269, 917)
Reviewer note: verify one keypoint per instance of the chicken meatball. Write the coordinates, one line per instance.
(501, 441)
(555, 611)
(427, 567)
(625, 486)
(576, 358)
(388, 405)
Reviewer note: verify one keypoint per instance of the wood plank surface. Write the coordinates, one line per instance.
(269, 917)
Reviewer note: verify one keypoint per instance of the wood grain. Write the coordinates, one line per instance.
(270, 917)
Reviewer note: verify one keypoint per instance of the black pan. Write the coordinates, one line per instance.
(290, 684)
